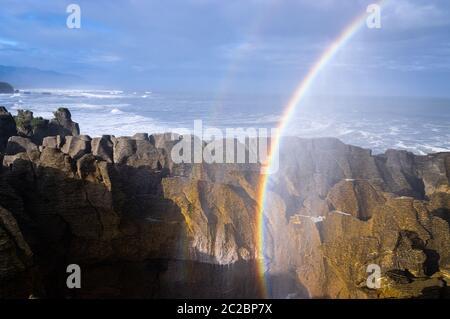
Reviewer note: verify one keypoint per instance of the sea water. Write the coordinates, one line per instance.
(419, 125)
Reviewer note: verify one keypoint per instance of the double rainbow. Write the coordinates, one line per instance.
(289, 110)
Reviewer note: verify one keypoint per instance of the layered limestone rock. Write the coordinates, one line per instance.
(102, 147)
(219, 220)
(37, 128)
(76, 146)
(62, 123)
(53, 141)
(20, 147)
(357, 198)
(377, 212)
(106, 200)
(141, 225)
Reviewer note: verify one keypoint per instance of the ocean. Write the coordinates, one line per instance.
(419, 125)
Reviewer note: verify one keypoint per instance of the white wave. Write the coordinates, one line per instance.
(97, 95)
(100, 94)
(364, 133)
(100, 112)
(115, 92)
(402, 145)
(419, 152)
(118, 124)
(435, 149)
(414, 149)
(245, 119)
(116, 111)
(345, 131)
(85, 106)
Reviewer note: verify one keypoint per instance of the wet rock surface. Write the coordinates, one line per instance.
(141, 226)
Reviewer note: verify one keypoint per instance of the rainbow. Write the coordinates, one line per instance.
(289, 110)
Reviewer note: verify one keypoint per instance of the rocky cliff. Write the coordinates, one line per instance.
(344, 209)
(140, 225)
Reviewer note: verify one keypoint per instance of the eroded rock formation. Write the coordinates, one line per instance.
(140, 225)
(37, 128)
(347, 209)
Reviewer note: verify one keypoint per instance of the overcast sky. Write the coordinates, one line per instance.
(233, 45)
